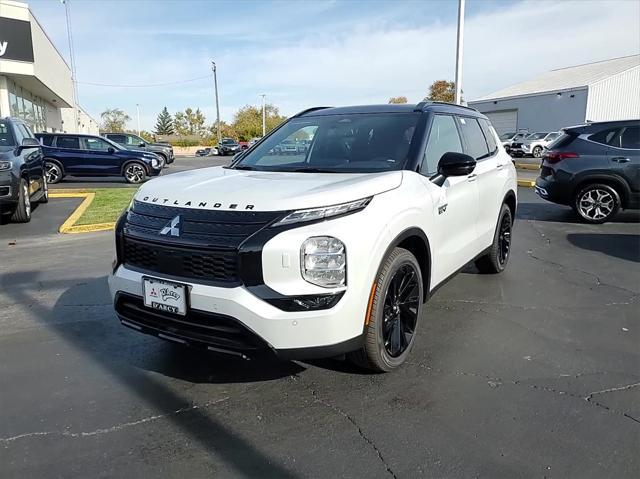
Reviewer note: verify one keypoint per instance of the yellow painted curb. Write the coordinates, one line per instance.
(68, 225)
(526, 166)
(527, 183)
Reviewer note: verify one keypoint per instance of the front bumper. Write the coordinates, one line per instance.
(8, 188)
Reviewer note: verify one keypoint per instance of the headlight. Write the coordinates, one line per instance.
(325, 212)
(5, 165)
(323, 261)
(155, 162)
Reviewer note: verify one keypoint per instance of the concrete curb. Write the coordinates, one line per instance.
(527, 183)
(526, 166)
(69, 225)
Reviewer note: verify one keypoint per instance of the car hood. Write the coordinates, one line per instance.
(160, 145)
(6, 152)
(227, 189)
(137, 154)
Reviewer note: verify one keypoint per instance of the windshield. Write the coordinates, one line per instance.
(506, 136)
(228, 141)
(356, 143)
(6, 138)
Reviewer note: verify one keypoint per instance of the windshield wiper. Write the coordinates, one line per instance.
(243, 167)
(311, 170)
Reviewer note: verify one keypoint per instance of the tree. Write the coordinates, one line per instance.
(164, 125)
(189, 122)
(114, 120)
(247, 122)
(442, 90)
(398, 99)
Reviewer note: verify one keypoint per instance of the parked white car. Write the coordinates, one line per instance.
(533, 144)
(335, 252)
(508, 138)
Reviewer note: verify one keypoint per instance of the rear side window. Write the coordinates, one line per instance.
(46, 140)
(443, 138)
(605, 136)
(565, 139)
(122, 139)
(476, 143)
(68, 142)
(630, 138)
(487, 129)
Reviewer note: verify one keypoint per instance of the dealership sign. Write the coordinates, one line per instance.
(15, 40)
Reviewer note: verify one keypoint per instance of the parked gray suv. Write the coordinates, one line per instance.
(134, 142)
(594, 168)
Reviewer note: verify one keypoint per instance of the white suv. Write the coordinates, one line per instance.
(329, 251)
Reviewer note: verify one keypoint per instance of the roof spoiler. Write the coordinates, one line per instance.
(309, 110)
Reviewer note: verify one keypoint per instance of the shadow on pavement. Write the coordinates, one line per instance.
(104, 341)
(623, 246)
(563, 214)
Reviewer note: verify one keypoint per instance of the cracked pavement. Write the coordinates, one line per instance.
(533, 373)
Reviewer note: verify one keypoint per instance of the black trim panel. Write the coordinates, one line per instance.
(319, 352)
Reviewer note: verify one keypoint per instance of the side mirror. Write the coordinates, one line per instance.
(456, 164)
(29, 143)
(142, 145)
(111, 150)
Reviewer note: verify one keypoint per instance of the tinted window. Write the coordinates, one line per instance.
(476, 143)
(487, 129)
(443, 138)
(96, 144)
(133, 140)
(46, 140)
(630, 137)
(122, 139)
(68, 142)
(605, 136)
(6, 138)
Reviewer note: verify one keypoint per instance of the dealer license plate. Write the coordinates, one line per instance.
(165, 295)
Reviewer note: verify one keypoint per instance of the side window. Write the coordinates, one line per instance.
(134, 140)
(46, 140)
(605, 136)
(95, 144)
(630, 138)
(476, 143)
(72, 142)
(122, 139)
(489, 135)
(443, 138)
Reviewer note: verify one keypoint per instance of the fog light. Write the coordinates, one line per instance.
(323, 261)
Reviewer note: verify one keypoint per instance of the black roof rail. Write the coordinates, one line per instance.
(449, 104)
(309, 110)
(420, 106)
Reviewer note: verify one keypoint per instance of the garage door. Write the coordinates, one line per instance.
(504, 121)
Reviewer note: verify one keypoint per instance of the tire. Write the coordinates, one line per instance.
(395, 313)
(596, 203)
(45, 190)
(22, 213)
(53, 171)
(496, 259)
(165, 161)
(537, 152)
(135, 172)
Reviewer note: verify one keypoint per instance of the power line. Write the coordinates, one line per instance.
(149, 85)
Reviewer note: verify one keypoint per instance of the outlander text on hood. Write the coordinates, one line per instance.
(324, 238)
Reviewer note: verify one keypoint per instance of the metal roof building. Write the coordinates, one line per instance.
(599, 91)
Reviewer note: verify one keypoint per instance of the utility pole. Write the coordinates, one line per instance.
(264, 115)
(458, 98)
(138, 115)
(215, 86)
(74, 79)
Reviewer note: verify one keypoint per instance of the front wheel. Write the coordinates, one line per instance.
(53, 172)
(495, 260)
(22, 213)
(134, 173)
(45, 190)
(393, 314)
(537, 152)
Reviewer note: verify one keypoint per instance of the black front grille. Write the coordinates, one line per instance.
(516, 145)
(186, 263)
(205, 250)
(197, 328)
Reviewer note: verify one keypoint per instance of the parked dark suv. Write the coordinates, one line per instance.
(134, 142)
(87, 155)
(594, 168)
(22, 178)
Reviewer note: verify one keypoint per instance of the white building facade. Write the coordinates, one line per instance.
(35, 81)
(600, 91)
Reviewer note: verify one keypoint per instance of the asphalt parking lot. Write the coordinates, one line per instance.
(533, 373)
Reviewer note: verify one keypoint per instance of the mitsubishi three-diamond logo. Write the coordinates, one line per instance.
(173, 227)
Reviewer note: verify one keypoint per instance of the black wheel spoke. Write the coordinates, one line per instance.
(400, 310)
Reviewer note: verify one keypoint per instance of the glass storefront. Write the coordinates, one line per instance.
(27, 106)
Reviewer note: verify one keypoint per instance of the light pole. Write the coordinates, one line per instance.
(138, 115)
(264, 115)
(215, 86)
(458, 97)
(72, 58)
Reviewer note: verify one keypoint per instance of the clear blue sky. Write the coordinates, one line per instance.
(306, 53)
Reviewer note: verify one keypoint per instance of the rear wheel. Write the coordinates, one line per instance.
(394, 313)
(53, 172)
(596, 203)
(134, 173)
(22, 213)
(495, 260)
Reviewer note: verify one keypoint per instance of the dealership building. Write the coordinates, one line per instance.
(599, 91)
(35, 81)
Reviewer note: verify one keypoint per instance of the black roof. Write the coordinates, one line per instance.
(67, 134)
(597, 124)
(424, 106)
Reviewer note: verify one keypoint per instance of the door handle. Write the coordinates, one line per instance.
(499, 166)
(472, 177)
(620, 159)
